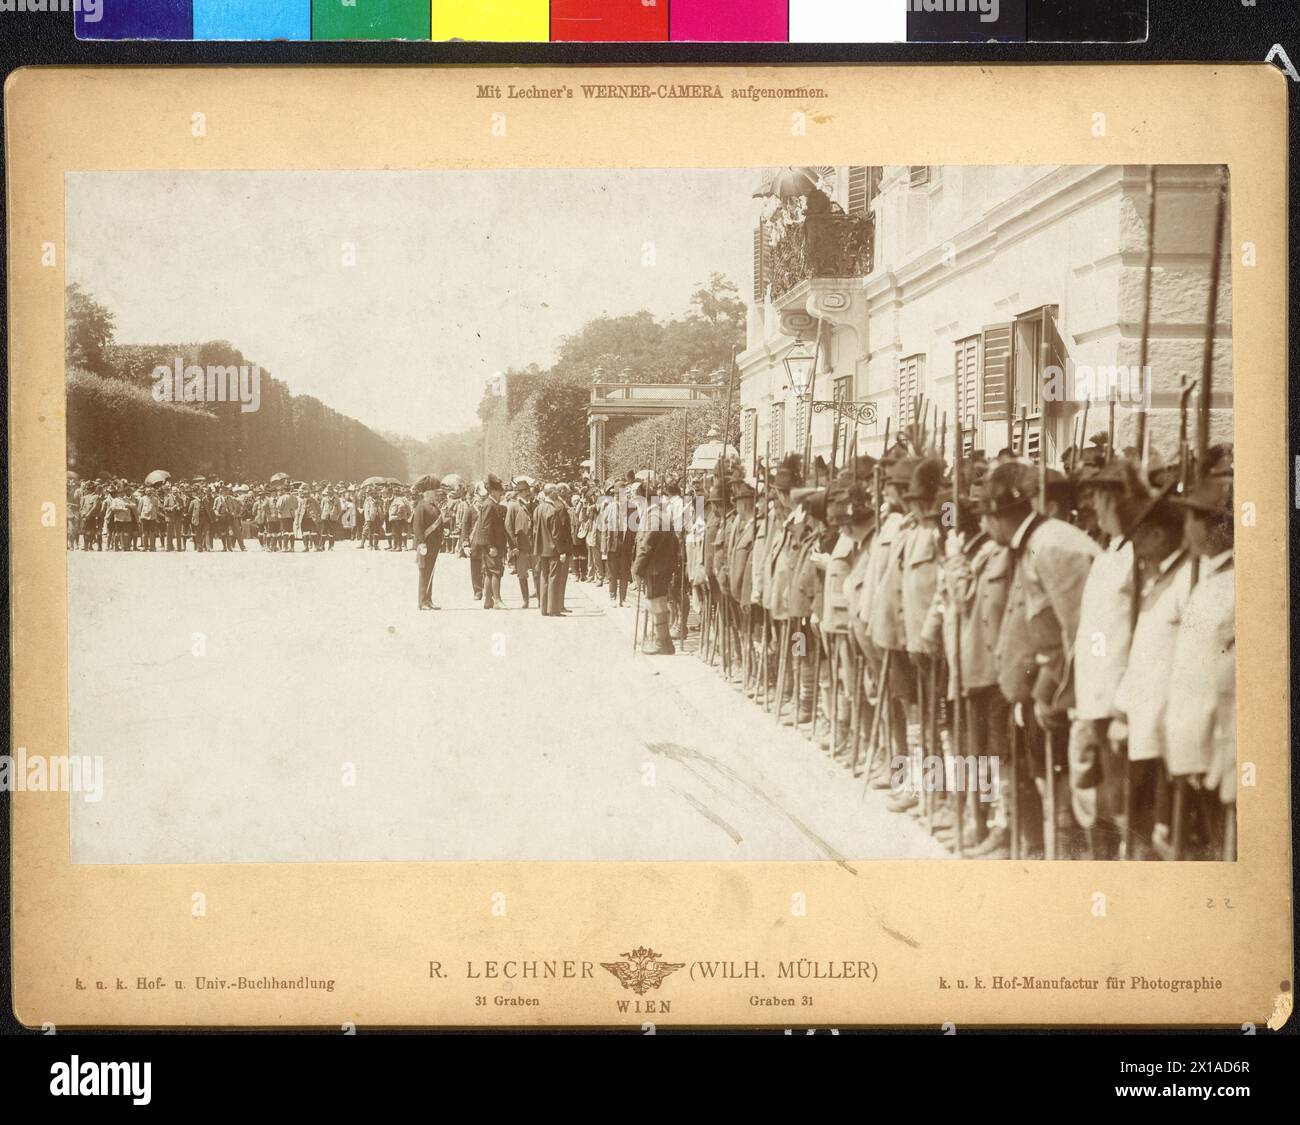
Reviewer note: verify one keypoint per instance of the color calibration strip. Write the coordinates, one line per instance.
(619, 21)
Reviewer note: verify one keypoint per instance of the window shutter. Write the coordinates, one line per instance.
(996, 405)
(909, 386)
(858, 193)
(776, 438)
(760, 260)
(1054, 354)
(918, 174)
(966, 373)
(747, 436)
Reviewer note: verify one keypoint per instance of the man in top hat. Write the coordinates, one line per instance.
(1050, 562)
(490, 541)
(1154, 526)
(1201, 720)
(427, 529)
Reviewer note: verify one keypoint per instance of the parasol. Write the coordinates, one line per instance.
(158, 476)
(371, 481)
(453, 480)
(788, 182)
(279, 476)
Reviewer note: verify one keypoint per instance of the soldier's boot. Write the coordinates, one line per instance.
(523, 586)
(660, 642)
(805, 712)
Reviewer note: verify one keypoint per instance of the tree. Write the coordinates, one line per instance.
(87, 331)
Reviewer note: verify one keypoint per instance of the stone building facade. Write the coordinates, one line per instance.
(977, 286)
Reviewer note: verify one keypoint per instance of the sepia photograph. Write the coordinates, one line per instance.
(809, 512)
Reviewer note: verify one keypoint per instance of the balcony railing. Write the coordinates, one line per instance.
(825, 245)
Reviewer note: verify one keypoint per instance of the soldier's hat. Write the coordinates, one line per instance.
(849, 487)
(813, 501)
(926, 480)
(1010, 485)
(789, 473)
(1212, 496)
(493, 483)
(899, 471)
(741, 489)
(1134, 512)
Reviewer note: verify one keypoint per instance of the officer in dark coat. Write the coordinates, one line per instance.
(489, 542)
(427, 527)
(551, 542)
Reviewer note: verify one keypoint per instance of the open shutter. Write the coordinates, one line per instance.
(996, 403)
(859, 183)
(909, 386)
(966, 373)
(760, 261)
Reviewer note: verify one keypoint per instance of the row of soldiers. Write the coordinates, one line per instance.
(1034, 664)
(115, 514)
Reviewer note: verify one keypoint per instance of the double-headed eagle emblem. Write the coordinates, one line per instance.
(641, 970)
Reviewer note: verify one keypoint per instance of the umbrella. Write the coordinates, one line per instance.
(158, 476)
(392, 480)
(202, 480)
(369, 481)
(788, 182)
(453, 480)
(279, 476)
(427, 483)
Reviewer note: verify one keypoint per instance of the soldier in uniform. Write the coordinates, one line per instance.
(1050, 561)
(1201, 728)
(654, 565)
(1154, 525)
(468, 517)
(286, 510)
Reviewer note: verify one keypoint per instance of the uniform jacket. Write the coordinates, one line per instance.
(739, 569)
(888, 627)
(427, 525)
(551, 530)
(920, 580)
(1041, 621)
(1201, 724)
(490, 527)
(1143, 694)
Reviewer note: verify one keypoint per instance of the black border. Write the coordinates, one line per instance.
(1180, 30)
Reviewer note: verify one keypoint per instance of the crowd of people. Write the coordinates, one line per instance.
(1034, 663)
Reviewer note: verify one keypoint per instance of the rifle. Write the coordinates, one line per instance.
(1146, 293)
(958, 700)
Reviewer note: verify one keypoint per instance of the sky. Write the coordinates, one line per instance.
(455, 275)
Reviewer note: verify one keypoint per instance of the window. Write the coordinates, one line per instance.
(966, 374)
(748, 420)
(1016, 357)
(776, 434)
(918, 174)
(911, 375)
(864, 182)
